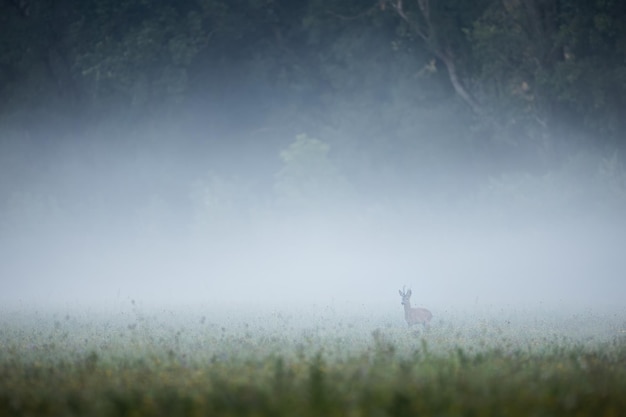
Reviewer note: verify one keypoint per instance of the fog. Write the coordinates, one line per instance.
(280, 155)
(173, 226)
(351, 255)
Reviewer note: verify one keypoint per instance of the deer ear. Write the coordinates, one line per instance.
(409, 293)
(400, 292)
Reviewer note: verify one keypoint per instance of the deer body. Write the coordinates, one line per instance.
(414, 315)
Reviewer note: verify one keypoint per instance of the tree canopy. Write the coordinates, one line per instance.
(135, 102)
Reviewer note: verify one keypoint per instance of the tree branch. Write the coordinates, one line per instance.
(397, 6)
(445, 55)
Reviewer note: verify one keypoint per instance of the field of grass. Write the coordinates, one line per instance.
(192, 363)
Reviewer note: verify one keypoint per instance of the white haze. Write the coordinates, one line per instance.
(353, 257)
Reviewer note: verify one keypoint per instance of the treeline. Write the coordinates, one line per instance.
(156, 111)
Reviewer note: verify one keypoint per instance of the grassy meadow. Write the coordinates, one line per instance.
(150, 362)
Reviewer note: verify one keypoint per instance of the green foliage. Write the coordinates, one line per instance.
(309, 365)
(557, 66)
(135, 55)
(308, 178)
(549, 77)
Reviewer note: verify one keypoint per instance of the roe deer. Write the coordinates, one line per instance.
(414, 315)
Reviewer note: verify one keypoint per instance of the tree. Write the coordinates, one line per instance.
(555, 67)
(440, 27)
(308, 178)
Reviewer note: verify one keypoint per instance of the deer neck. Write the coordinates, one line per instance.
(407, 309)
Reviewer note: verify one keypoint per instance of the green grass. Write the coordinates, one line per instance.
(186, 364)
